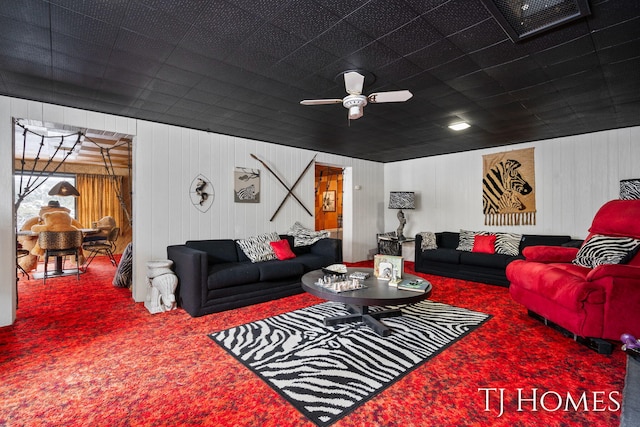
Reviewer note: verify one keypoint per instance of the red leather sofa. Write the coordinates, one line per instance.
(591, 304)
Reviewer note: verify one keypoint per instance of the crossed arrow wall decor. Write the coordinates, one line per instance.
(289, 190)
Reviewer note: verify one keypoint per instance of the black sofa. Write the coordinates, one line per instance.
(216, 275)
(478, 267)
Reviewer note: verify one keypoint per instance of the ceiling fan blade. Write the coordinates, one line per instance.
(320, 101)
(353, 82)
(393, 96)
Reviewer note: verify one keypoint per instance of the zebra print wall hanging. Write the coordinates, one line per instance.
(326, 372)
(508, 188)
(246, 185)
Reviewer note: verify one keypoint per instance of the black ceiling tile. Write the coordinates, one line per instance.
(184, 11)
(619, 52)
(411, 37)
(178, 76)
(80, 49)
(617, 34)
(480, 36)
(14, 34)
(342, 40)
(517, 74)
(379, 17)
(565, 51)
(194, 62)
(265, 9)
(458, 67)
(134, 63)
(167, 88)
(230, 22)
(124, 75)
(611, 13)
(306, 19)
(456, 15)
(273, 41)
(31, 12)
(203, 41)
(67, 63)
(497, 54)
(372, 57)
(308, 57)
(112, 11)
(424, 6)
(153, 23)
(435, 54)
(142, 46)
(342, 7)
(400, 72)
(255, 61)
(573, 66)
(74, 25)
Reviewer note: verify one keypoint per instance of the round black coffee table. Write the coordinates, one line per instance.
(377, 292)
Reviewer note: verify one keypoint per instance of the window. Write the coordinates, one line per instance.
(31, 205)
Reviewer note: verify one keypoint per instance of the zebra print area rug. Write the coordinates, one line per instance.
(327, 371)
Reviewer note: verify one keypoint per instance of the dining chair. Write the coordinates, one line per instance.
(60, 244)
(102, 247)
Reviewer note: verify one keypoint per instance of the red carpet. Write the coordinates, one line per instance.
(86, 354)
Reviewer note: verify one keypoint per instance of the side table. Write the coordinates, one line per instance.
(391, 245)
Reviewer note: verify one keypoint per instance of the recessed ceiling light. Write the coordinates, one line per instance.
(459, 126)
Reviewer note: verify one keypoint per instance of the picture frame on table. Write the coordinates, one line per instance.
(384, 266)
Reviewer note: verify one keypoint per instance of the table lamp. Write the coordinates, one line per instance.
(402, 200)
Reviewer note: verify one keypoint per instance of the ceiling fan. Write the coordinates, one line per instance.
(355, 101)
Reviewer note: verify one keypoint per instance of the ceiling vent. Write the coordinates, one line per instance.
(525, 18)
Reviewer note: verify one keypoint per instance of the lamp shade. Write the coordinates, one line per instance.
(63, 188)
(630, 189)
(402, 200)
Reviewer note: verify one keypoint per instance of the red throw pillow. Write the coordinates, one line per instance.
(484, 244)
(282, 249)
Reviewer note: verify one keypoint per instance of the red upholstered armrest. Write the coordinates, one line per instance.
(614, 270)
(549, 253)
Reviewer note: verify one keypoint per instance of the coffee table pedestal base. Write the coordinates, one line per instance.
(362, 314)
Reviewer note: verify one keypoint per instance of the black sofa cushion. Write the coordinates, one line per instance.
(449, 256)
(447, 239)
(231, 274)
(220, 250)
(276, 270)
(485, 260)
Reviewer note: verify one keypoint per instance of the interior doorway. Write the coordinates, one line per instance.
(96, 164)
(329, 199)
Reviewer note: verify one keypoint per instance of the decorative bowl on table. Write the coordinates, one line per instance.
(335, 269)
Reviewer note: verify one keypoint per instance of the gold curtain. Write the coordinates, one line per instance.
(98, 198)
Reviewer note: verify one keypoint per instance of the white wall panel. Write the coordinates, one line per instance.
(574, 176)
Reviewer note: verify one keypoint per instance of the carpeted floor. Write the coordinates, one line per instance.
(86, 354)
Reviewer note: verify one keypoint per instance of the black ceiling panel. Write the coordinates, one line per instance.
(241, 67)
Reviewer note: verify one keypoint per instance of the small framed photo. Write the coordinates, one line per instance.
(329, 201)
(386, 267)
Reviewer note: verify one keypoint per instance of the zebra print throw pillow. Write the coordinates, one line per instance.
(123, 276)
(257, 248)
(600, 250)
(465, 242)
(428, 241)
(508, 243)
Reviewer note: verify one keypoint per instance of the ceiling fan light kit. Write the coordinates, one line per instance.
(356, 101)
